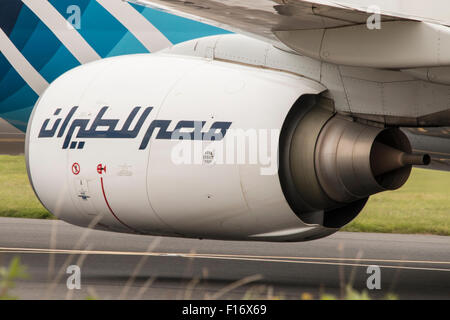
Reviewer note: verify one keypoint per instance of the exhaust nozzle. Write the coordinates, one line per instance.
(330, 165)
(354, 161)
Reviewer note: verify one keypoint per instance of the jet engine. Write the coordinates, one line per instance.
(181, 146)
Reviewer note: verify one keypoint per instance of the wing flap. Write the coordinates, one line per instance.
(397, 45)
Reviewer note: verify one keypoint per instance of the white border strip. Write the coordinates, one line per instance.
(150, 37)
(63, 30)
(21, 64)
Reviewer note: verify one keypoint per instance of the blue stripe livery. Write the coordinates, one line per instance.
(105, 34)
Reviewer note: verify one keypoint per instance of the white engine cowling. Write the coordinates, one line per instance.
(82, 168)
(181, 146)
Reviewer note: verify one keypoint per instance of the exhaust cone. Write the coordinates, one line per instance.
(385, 159)
(354, 161)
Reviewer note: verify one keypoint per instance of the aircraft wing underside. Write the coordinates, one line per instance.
(262, 17)
(335, 32)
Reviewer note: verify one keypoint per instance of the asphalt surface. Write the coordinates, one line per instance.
(125, 266)
(12, 141)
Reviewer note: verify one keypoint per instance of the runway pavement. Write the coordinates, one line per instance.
(125, 266)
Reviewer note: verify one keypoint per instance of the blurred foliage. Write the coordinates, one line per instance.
(8, 277)
(352, 294)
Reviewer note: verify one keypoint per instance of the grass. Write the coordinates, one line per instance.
(17, 198)
(421, 206)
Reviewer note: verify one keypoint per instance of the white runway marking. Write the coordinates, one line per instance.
(298, 260)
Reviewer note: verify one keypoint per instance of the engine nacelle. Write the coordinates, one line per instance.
(141, 144)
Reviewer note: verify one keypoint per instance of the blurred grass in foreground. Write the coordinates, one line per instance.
(421, 206)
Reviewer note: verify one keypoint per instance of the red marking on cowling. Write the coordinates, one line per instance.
(76, 168)
(111, 210)
(101, 169)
